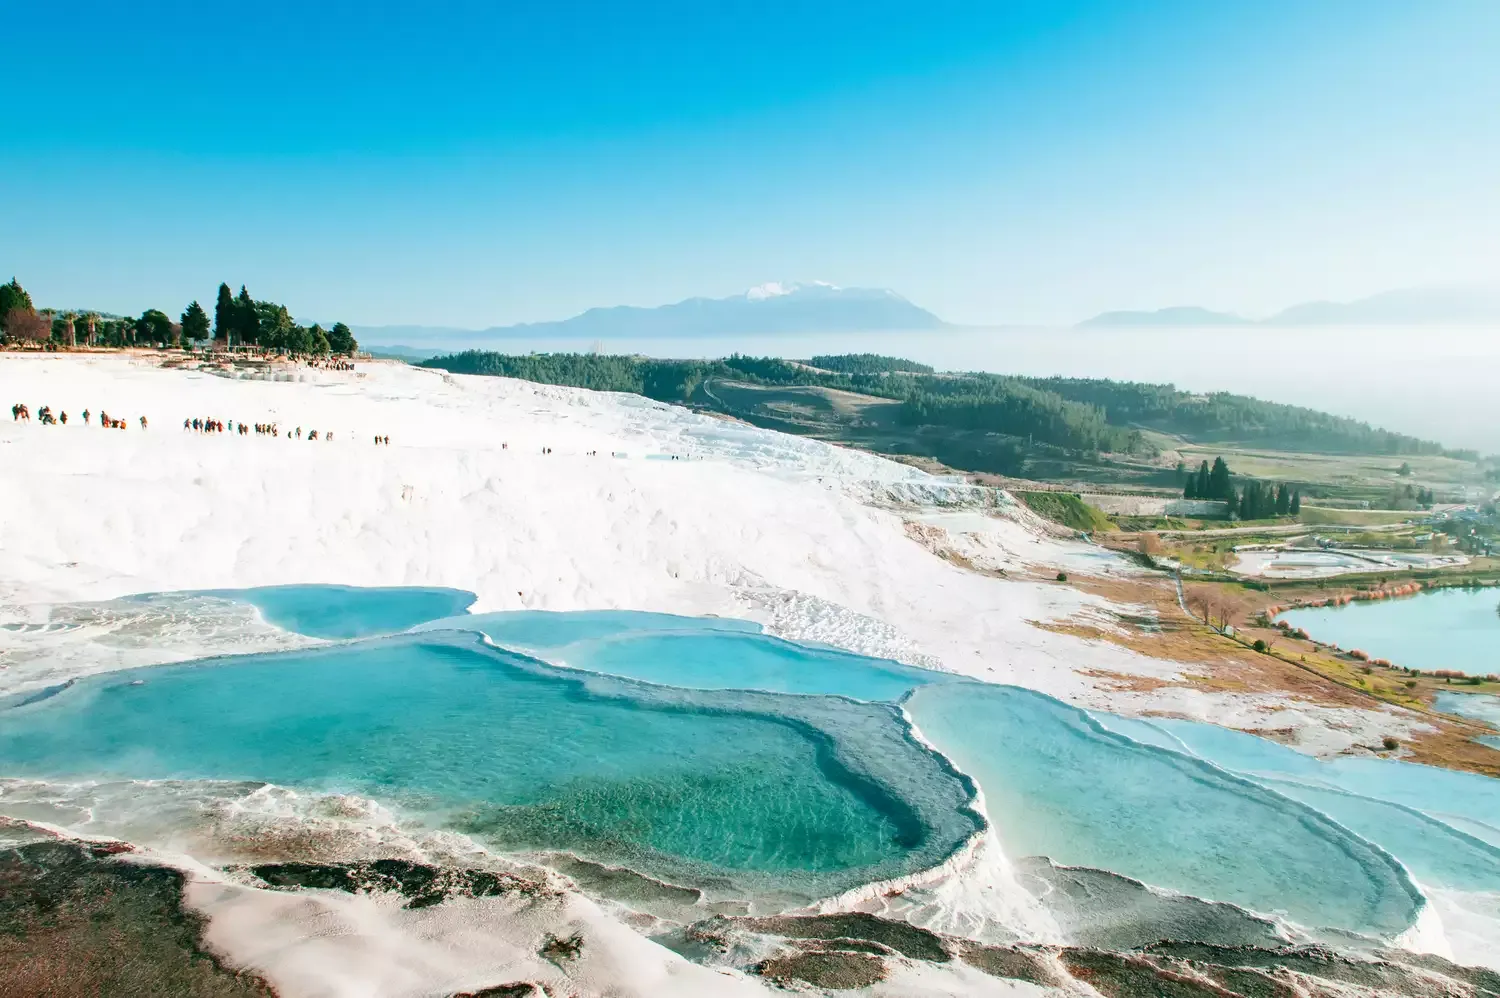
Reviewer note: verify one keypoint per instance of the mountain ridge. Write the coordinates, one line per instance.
(768, 308)
(1461, 305)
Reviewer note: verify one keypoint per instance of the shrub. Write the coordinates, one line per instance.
(1390, 743)
(1259, 645)
(1411, 684)
(1062, 576)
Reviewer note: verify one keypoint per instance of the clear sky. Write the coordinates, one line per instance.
(487, 163)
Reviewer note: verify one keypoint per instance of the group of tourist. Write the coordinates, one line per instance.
(261, 429)
(197, 424)
(206, 425)
(22, 414)
(330, 364)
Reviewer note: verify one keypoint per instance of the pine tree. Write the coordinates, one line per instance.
(13, 296)
(341, 339)
(224, 315)
(154, 326)
(195, 322)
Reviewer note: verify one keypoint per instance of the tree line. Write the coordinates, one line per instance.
(237, 321)
(867, 363)
(1224, 417)
(985, 403)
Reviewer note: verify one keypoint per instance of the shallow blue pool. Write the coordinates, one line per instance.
(753, 791)
(1056, 783)
(706, 653)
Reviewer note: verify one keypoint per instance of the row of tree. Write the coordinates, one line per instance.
(1210, 483)
(240, 320)
(1263, 500)
(237, 321)
(1255, 500)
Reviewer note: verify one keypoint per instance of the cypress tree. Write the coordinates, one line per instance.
(1296, 504)
(1219, 486)
(1190, 490)
(1283, 500)
(224, 316)
(246, 323)
(1201, 489)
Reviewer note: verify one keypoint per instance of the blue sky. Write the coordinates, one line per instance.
(486, 163)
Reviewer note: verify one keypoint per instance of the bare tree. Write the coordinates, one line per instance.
(27, 326)
(70, 336)
(1197, 600)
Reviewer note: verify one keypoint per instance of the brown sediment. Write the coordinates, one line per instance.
(1013, 962)
(1176, 969)
(908, 940)
(830, 970)
(75, 922)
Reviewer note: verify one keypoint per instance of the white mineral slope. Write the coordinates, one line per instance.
(325, 942)
(464, 496)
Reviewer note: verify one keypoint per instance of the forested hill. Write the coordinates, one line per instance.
(1072, 414)
(1223, 417)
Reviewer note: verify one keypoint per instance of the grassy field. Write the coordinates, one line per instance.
(1067, 509)
(1321, 515)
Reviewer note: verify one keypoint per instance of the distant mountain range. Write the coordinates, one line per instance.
(1407, 307)
(769, 308)
(1180, 315)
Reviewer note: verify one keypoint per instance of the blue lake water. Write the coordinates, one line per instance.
(1455, 629)
(697, 786)
(343, 612)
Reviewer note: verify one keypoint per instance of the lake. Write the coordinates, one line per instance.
(1455, 629)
